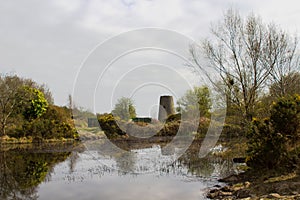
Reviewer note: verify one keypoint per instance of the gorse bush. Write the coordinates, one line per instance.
(111, 124)
(35, 103)
(55, 123)
(270, 139)
(285, 116)
(266, 146)
(108, 124)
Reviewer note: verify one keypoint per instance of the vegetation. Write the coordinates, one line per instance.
(109, 125)
(258, 64)
(197, 98)
(124, 109)
(269, 141)
(23, 169)
(114, 127)
(258, 67)
(248, 54)
(26, 112)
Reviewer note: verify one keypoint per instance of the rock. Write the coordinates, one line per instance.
(247, 184)
(213, 190)
(243, 193)
(231, 178)
(224, 194)
(218, 194)
(212, 194)
(274, 196)
(241, 186)
(217, 186)
(227, 189)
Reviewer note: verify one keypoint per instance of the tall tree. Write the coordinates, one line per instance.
(20, 97)
(246, 53)
(9, 88)
(124, 109)
(196, 98)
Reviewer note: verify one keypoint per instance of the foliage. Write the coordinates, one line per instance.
(9, 86)
(269, 139)
(197, 98)
(109, 125)
(173, 117)
(55, 123)
(22, 170)
(288, 84)
(247, 53)
(124, 109)
(285, 116)
(26, 112)
(203, 126)
(266, 147)
(20, 100)
(35, 104)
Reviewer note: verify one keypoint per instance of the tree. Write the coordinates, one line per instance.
(287, 85)
(124, 109)
(43, 88)
(9, 88)
(197, 96)
(246, 53)
(20, 98)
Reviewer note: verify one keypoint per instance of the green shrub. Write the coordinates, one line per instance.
(173, 117)
(285, 116)
(56, 123)
(269, 139)
(266, 146)
(109, 125)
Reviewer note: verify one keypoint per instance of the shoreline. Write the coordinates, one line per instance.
(11, 140)
(259, 185)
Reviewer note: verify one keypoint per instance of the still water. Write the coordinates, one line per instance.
(66, 172)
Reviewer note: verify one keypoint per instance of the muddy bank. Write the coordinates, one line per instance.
(260, 186)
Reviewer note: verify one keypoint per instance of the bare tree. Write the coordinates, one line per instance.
(9, 86)
(246, 53)
(287, 85)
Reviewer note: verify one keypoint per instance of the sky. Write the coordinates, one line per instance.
(100, 50)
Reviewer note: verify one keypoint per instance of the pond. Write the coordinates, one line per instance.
(73, 171)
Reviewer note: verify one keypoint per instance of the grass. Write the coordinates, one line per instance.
(28, 140)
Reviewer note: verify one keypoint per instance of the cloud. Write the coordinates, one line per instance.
(47, 41)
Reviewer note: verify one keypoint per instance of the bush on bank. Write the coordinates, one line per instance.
(273, 140)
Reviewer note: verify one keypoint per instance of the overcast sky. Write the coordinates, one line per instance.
(49, 41)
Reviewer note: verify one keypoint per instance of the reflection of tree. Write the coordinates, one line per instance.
(21, 172)
(207, 166)
(72, 160)
(202, 167)
(125, 162)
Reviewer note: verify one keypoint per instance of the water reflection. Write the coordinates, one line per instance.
(23, 168)
(70, 172)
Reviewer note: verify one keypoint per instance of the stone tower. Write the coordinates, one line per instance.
(166, 107)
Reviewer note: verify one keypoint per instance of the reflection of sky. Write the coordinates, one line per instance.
(90, 179)
(113, 187)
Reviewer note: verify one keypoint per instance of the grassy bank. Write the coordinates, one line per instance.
(29, 140)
